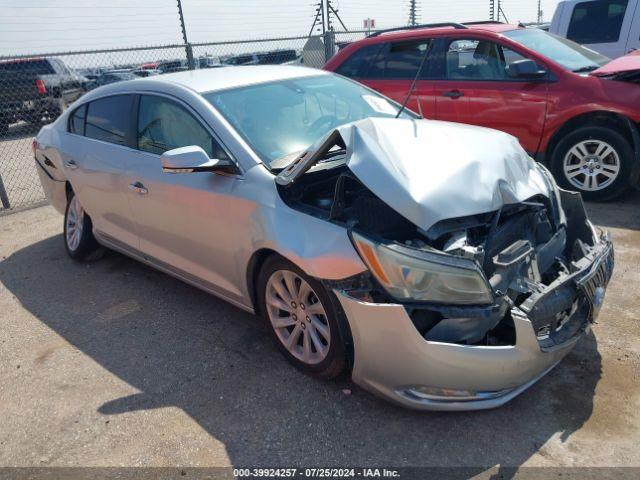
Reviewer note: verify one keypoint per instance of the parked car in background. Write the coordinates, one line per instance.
(568, 105)
(610, 27)
(171, 66)
(112, 77)
(145, 72)
(36, 89)
(209, 61)
(437, 261)
(275, 57)
(149, 66)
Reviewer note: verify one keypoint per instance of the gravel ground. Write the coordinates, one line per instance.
(111, 363)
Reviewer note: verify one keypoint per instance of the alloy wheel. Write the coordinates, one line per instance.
(297, 316)
(74, 224)
(591, 165)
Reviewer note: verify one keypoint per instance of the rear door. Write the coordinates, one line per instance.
(391, 67)
(473, 87)
(96, 152)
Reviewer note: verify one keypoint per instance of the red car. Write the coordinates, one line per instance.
(571, 108)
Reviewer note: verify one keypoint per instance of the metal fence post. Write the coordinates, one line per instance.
(4, 198)
(190, 63)
(329, 45)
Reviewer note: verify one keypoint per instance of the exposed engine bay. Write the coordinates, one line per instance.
(464, 244)
(532, 254)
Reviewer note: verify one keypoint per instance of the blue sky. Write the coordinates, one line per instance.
(33, 26)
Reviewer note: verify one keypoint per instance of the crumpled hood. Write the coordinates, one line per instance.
(429, 170)
(625, 64)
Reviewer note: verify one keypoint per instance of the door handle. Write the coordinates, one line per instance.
(453, 94)
(70, 164)
(138, 188)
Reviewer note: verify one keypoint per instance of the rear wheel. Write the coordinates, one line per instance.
(78, 231)
(302, 317)
(595, 161)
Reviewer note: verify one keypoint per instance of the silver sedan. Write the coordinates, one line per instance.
(436, 262)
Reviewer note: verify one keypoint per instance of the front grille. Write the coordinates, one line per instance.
(598, 276)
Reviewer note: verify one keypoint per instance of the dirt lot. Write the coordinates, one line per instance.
(114, 364)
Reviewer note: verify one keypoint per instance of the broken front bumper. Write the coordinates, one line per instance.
(393, 360)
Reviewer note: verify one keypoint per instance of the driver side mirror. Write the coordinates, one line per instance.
(193, 159)
(525, 69)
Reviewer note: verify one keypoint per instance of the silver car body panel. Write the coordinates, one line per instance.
(429, 170)
(392, 356)
(207, 228)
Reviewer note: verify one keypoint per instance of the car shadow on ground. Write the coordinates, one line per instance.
(623, 212)
(182, 347)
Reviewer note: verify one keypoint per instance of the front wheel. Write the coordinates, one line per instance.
(303, 319)
(595, 161)
(78, 231)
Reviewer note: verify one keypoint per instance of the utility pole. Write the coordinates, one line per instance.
(319, 14)
(539, 12)
(413, 13)
(332, 10)
(187, 45)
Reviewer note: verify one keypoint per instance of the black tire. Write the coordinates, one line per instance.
(621, 147)
(335, 361)
(87, 247)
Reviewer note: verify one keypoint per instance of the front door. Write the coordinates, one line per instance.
(182, 217)
(476, 89)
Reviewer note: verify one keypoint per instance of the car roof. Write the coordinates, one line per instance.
(212, 79)
(474, 27)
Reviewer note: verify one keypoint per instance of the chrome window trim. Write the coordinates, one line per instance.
(181, 102)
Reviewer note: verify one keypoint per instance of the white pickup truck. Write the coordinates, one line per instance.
(610, 27)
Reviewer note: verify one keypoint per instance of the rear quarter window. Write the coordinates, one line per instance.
(109, 119)
(76, 120)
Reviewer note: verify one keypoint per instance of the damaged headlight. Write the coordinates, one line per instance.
(412, 274)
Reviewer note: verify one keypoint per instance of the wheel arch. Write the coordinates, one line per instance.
(597, 118)
(68, 189)
(254, 266)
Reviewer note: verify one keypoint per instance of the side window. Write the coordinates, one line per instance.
(399, 60)
(108, 119)
(597, 22)
(164, 125)
(403, 59)
(357, 64)
(76, 120)
(478, 60)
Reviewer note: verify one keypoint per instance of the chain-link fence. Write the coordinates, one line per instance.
(35, 89)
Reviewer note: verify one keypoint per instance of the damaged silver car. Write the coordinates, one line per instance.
(436, 262)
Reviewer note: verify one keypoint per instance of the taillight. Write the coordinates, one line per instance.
(40, 86)
(34, 145)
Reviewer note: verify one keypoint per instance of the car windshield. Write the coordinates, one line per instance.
(278, 119)
(565, 52)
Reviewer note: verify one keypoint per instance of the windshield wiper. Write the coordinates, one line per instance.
(589, 68)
